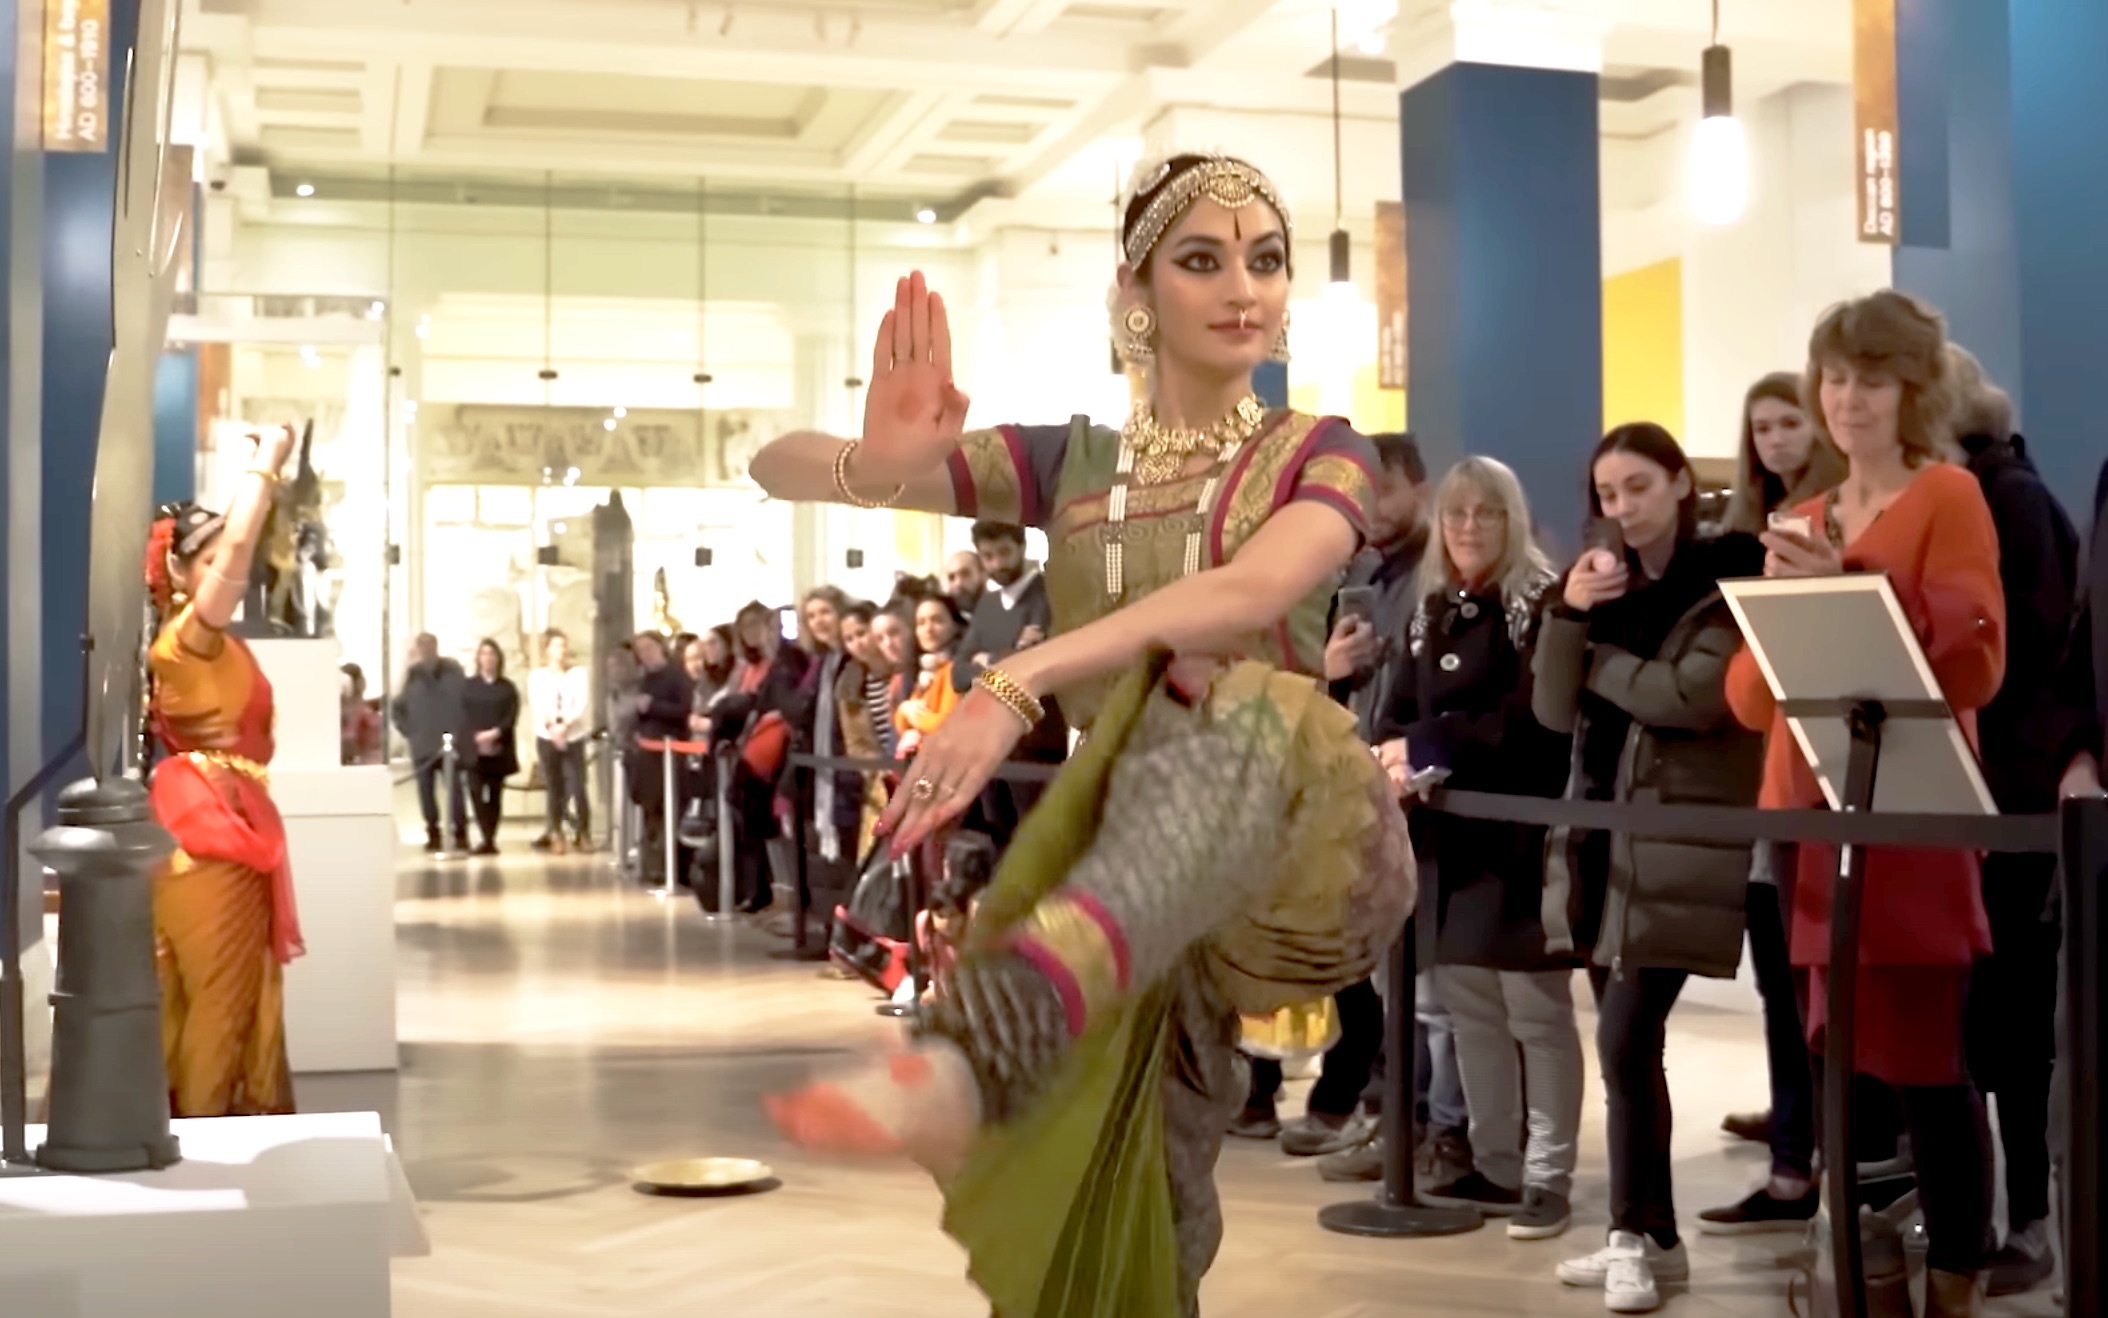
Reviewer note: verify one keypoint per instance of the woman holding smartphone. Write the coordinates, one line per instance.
(1460, 702)
(1880, 371)
(1633, 661)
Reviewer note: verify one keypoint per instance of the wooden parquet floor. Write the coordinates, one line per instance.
(559, 1029)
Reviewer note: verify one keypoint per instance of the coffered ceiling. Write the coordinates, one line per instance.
(927, 102)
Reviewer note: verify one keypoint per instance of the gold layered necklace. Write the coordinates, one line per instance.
(1161, 452)
(1151, 454)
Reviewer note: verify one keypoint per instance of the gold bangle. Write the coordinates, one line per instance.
(1015, 698)
(851, 497)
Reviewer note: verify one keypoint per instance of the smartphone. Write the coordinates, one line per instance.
(1358, 602)
(1425, 780)
(1798, 525)
(787, 622)
(1603, 533)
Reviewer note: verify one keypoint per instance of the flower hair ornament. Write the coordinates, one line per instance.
(180, 533)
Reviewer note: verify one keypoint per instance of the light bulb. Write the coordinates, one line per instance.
(1371, 43)
(1719, 170)
(926, 215)
(304, 190)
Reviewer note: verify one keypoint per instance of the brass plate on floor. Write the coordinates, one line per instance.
(705, 1176)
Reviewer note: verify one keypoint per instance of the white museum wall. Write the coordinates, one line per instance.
(1752, 290)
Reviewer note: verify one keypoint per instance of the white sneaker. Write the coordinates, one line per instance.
(1629, 1285)
(1593, 1270)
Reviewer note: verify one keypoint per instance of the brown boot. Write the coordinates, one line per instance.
(1954, 1294)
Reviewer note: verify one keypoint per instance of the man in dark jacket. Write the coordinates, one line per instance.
(1364, 650)
(1013, 615)
(2023, 734)
(428, 711)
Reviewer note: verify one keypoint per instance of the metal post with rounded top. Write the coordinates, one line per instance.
(669, 823)
(455, 822)
(109, 1082)
(621, 830)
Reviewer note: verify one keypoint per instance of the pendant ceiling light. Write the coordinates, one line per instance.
(1342, 246)
(702, 286)
(854, 381)
(1719, 152)
(548, 371)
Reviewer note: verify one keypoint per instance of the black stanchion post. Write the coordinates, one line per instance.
(2085, 922)
(801, 837)
(669, 823)
(1840, 1042)
(1396, 1210)
(908, 871)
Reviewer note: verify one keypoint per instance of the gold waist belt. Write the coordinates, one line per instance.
(228, 760)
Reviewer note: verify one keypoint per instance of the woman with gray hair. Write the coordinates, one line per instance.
(1461, 701)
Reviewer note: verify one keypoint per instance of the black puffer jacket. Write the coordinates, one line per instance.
(2025, 728)
(1460, 697)
(1641, 683)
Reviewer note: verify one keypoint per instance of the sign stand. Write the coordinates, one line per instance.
(1844, 663)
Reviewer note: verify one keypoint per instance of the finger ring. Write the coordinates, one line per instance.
(923, 790)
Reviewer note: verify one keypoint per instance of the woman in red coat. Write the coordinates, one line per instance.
(1878, 377)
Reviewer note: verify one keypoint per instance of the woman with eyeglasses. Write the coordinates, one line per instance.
(1461, 703)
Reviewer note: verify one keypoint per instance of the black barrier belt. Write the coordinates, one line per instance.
(2040, 834)
(1727, 823)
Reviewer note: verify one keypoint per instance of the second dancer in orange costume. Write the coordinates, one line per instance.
(224, 924)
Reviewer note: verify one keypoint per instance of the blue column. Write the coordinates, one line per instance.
(176, 427)
(21, 357)
(2060, 202)
(1504, 260)
(1955, 119)
(1270, 383)
(79, 218)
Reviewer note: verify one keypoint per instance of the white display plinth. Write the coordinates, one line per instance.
(341, 837)
(264, 1217)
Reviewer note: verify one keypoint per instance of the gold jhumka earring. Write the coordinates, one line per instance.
(1138, 334)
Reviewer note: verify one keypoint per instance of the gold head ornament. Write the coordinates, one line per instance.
(1224, 180)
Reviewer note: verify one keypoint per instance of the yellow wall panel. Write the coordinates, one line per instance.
(1643, 346)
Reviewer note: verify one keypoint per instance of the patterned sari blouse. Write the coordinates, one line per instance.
(1060, 479)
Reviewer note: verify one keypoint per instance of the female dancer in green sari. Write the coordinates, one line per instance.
(1221, 845)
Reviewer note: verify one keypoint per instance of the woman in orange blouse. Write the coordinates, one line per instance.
(938, 627)
(224, 924)
(1878, 369)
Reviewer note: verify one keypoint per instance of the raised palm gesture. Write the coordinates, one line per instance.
(913, 413)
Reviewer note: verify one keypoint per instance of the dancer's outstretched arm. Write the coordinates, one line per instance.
(913, 417)
(218, 592)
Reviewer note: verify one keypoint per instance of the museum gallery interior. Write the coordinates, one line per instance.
(1060, 658)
